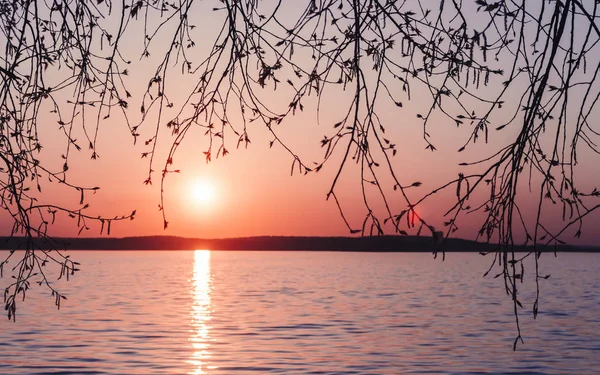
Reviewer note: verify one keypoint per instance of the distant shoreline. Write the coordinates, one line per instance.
(279, 243)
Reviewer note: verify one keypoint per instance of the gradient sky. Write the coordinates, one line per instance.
(254, 192)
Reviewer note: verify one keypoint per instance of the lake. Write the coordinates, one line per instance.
(202, 312)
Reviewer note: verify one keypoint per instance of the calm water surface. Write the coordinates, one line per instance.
(304, 313)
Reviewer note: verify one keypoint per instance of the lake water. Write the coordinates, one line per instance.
(220, 313)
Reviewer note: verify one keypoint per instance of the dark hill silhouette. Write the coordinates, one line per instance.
(363, 244)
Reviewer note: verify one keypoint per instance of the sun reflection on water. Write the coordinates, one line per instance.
(201, 309)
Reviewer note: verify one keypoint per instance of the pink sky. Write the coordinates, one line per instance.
(254, 192)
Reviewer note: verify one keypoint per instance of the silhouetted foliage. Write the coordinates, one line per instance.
(526, 70)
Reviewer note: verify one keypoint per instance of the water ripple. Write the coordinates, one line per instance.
(304, 313)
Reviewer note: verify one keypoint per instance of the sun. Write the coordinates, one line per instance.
(203, 192)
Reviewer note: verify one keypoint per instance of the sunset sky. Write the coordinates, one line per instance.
(250, 191)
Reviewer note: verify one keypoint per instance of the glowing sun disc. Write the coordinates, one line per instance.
(203, 192)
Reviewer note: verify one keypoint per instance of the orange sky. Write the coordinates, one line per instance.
(254, 192)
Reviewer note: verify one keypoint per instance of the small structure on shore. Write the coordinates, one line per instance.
(438, 237)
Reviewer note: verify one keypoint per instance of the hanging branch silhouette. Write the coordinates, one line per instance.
(525, 72)
(50, 49)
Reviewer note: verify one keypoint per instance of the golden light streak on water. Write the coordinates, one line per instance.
(201, 310)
